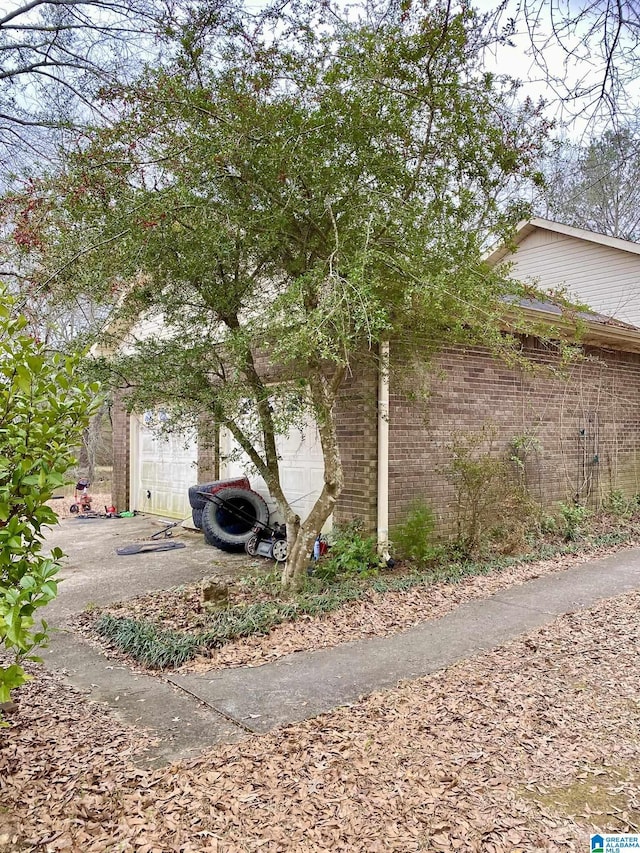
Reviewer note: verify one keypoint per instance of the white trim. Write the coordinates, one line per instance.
(383, 451)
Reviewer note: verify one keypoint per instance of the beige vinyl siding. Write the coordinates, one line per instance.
(606, 279)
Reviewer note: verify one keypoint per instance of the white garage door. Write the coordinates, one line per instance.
(162, 469)
(301, 467)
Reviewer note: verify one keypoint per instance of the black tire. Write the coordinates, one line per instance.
(196, 515)
(230, 531)
(195, 500)
(198, 502)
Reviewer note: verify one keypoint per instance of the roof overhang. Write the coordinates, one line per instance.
(527, 227)
(594, 333)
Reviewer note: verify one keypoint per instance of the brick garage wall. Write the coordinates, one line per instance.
(357, 426)
(120, 419)
(208, 450)
(587, 426)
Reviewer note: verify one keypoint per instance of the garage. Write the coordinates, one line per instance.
(301, 467)
(162, 468)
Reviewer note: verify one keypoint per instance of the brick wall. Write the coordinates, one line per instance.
(121, 454)
(587, 426)
(357, 427)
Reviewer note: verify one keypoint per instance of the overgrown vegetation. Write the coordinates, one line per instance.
(158, 648)
(491, 506)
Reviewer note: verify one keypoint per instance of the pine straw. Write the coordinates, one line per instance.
(376, 614)
(474, 758)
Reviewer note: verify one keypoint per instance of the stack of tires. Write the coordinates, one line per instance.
(228, 523)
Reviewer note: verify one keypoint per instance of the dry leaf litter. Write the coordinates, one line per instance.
(526, 748)
(376, 614)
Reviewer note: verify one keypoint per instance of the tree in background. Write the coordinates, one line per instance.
(597, 186)
(587, 51)
(294, 194)
(43, 410)
(55, 55)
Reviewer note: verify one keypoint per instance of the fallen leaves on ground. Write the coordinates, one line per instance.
(62, 506)
(376, 614)
(477, 757)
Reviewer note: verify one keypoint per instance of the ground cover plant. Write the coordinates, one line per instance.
(173, 628)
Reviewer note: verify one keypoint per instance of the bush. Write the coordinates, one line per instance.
(616, 504)
(43, 411)
(351, 554)
(574, 516)
(413, 538)
(490, 507)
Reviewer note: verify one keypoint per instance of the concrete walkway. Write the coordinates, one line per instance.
(191, 712)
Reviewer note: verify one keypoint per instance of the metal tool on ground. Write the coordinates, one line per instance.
(167, 530)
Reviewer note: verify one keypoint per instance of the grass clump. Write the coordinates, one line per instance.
(155, 647)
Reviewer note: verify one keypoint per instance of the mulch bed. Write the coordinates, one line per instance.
(526, 748)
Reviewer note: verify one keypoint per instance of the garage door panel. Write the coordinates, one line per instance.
(162, 469)
(301, 467)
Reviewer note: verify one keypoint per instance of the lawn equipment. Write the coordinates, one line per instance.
(268, 541)
(241, 508)
(82, 498)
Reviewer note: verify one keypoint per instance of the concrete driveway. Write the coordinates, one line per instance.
(179, 725)
(93, 573)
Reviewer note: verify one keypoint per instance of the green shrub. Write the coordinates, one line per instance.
(548, 523)
(616, 504)
(43, 410)
(574, 517)
(413, 538)
(350, 554)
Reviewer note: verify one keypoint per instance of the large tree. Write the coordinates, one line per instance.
(286, 200)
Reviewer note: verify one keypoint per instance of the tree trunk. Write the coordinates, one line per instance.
(301, 539)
